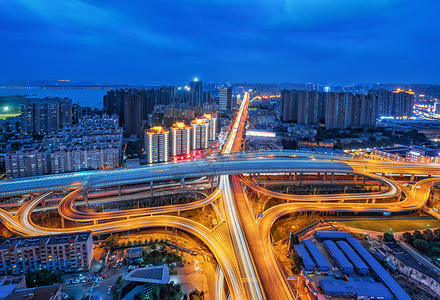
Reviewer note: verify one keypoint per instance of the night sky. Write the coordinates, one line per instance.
(140, 41)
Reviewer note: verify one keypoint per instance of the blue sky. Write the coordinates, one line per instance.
(135, 41)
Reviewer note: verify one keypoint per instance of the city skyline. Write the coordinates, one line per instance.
(263, 41)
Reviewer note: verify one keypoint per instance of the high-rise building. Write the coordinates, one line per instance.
(212, 126)
(309, 107)
(133, 121)
(382, 100)
(403, 103)
(289, 105)
(207, 98)
(437, 108)
(156, 145)
(200, 134)
(57, 253)
(27, 162)
(338, 110)
(225, 99)
(114, 103)
(196, 93)
(364, 111)
(180, 139)
(40, 116)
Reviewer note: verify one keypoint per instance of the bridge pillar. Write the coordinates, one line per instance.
(363, 181)
(300, 178)
(333, 177)
(258, 179)
(62, 222)
(182, 181)
(95, 222)
(86, 198)
(119, 190)
(412, 177)
(355, 177)
(151, 190)
(325, 176)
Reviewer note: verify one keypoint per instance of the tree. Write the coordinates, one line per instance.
(42, 278)
(408, 237)
(428, 234)
(296, 263)
(417, 235)
(421, 245)
(388, 237)
(293, 240)
(435, 252)
(112, 241)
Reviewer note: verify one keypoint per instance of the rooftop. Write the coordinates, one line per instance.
(24, 242)
(159, 274)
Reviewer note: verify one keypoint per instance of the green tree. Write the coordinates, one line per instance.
(296, 263)
(408, 237)
(112, 241)
(421, 245)
(435, 252)
(437, 233)
(428, 234)
(417, 235)
(42, 278)
(388, 237)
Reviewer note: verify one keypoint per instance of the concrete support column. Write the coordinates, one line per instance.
(62, 222)
(413, 177)
(258, 179)
(363, 182)
(86, 198)
(333, 177)
(300, 178)
(95, 222)
(151, 190)
(182, 182)
(119, 190)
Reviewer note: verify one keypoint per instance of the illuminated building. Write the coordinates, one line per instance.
(156, 145)
(225, 99)
(403, 102)
(200, 134)
(57, 253)
(180, 139)
(27, 162)
(212, 126)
